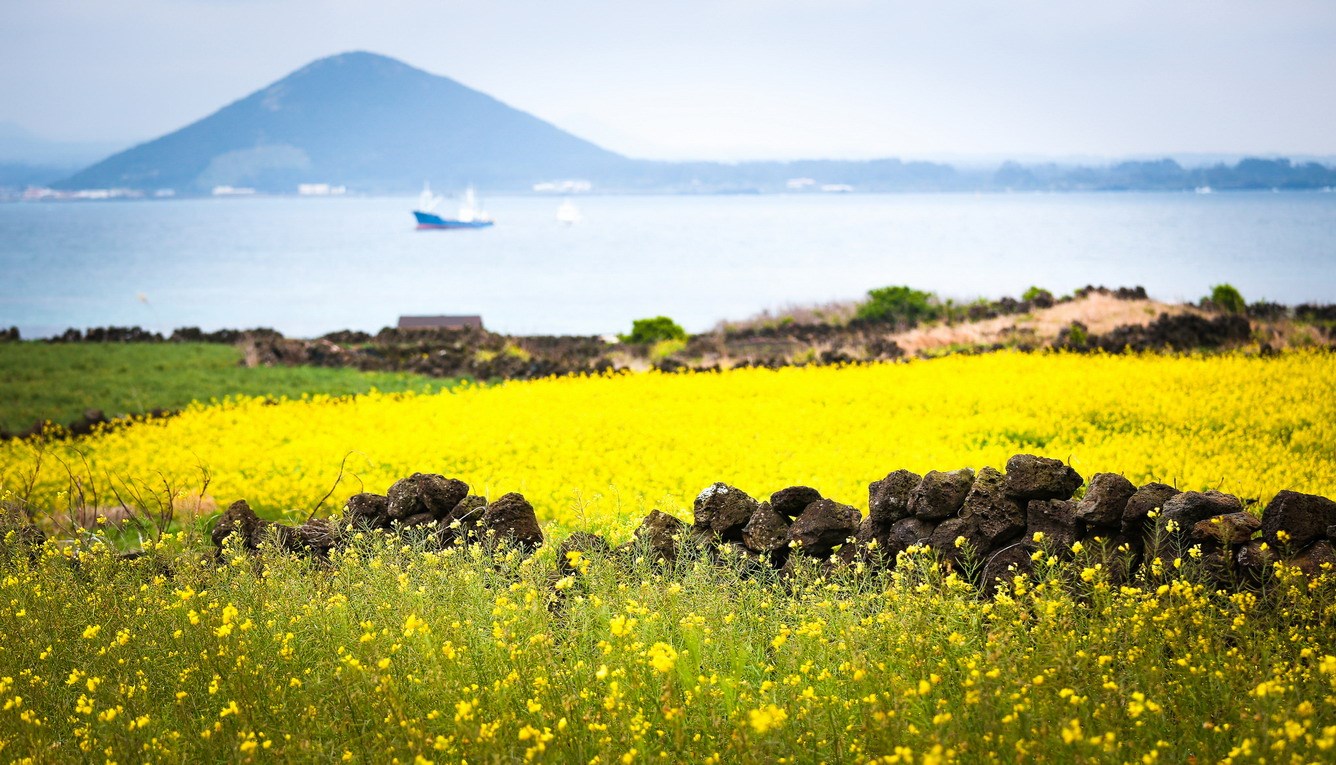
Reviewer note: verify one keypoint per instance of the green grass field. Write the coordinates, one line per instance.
(58, 382)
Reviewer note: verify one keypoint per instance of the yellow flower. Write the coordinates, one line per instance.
(662, 657)
(766, 718)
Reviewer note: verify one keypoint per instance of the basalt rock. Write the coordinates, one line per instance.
(1189, 507)
(578, 545)
(1313, 558)
(888, 499)
(1303, 517)
(371, 511)
(1105, 500)
(823, 526)
(767, 530)
(1120, 554)
(944, 539)
(1003, 566)
(511, 518)
(659, 533)
(940, 495)
(318, 535)
(1139, 506)
(995, 515)
(906, 533)
(1255, 560)
(1032, 477)
(238, 519)
(722, 511)
(1231, 529)
(427, 493)
(791, 502)
(1056, 519)
(461, 524)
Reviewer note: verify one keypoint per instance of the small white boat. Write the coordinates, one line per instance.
(1204, 190)
(568, 213)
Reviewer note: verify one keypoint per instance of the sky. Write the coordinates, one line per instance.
(726, 80)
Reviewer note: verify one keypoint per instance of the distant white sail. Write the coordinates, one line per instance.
(427, 201)
(568, 213)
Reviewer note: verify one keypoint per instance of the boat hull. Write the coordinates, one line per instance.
(429, 221)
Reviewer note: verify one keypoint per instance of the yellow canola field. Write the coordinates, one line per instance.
(599, 452)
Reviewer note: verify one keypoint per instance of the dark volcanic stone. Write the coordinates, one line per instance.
(659, 533)
(767, 530)
(1305, 517)
(462, 522)
(580, 542)
(1139, 506)
(996, 516)
(1005, 565)
(791, 502)
(281, 536)
(1119, 553)
(940, 495)
(1232, 529)
(1189, 507)
(370, 511)
(319, 535)
(1314, 557)
(943, 539)
(908, 532)
(425, 493)
(1056, 520)
(1033, 477)
(823, 526)
(722, 510)
(512, 518)
(1218, 566)
(1105, 500)
(240, 519)
(1255, 559)
(421, 519)
(888, 499)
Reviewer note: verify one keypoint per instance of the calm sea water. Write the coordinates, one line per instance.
(309, 266)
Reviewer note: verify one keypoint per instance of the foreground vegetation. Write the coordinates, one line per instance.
(394, 654)
(58, 382)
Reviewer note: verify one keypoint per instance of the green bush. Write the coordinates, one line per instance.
(1037, 294)
(646, 331)
(1225, 298)
(903, 305)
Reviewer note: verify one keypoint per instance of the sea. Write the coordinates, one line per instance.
(307, 266)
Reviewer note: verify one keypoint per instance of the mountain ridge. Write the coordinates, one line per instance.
(374, 124)
(357, 119)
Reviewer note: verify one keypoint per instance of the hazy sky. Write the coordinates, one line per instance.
(725, 79)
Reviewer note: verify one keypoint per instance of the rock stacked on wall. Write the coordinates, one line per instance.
(988, 526)
(423, 501)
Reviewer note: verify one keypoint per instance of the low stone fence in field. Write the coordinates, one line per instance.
(987, 525)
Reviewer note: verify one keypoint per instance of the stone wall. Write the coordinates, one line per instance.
(987, 525)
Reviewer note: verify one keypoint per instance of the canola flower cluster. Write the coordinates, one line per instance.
(396, 654)
(595, 453)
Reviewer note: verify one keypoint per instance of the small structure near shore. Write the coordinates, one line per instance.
(440, 322)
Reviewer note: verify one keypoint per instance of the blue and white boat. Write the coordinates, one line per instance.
(469, 215)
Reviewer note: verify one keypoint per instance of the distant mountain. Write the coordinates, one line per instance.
(361, 120)
(374, 124)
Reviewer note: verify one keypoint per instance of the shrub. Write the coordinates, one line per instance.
(1225, 298)
(646, 331)
(903, 305)
(1039, 297)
